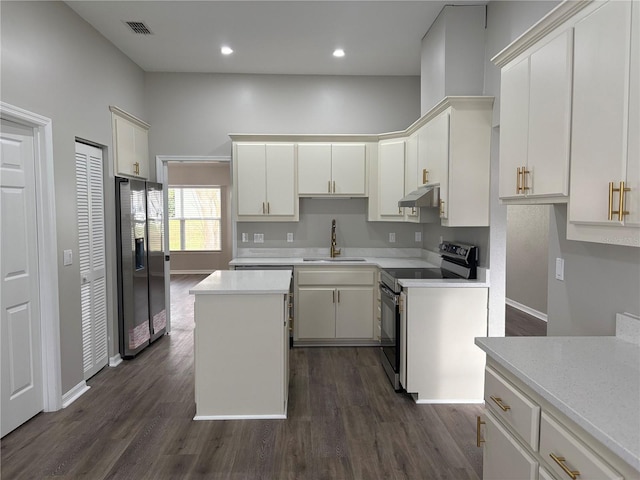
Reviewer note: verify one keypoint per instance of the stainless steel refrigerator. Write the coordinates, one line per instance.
(140, 234)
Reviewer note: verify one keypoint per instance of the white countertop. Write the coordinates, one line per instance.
(595, 381)
(244, 282)
(381, 262)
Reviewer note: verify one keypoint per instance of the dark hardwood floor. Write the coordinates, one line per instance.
(520, 324)
(344, 422)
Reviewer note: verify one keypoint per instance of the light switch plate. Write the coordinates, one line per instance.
(258, 238)
(67, 257)
(245, 237)
(392, 237)
(289, 237)
(418, 236)
(560, 269)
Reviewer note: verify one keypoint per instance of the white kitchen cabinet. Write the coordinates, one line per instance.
(605, 153)
(412, 214)
(433, 150)
(332, 169)
(518, 436)
(535, 120)
(441, 325)
(335, 305)
(391, 175)
(503, 457)
(130, 144)
(265, 183)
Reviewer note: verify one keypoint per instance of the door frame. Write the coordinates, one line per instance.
(162, 176)
(47, 250)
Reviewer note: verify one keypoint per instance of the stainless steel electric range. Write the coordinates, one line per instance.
(458, 261)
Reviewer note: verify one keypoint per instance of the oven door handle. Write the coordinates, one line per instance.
(386, 291)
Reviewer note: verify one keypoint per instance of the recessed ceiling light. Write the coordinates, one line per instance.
(225, 50)
(338, 52)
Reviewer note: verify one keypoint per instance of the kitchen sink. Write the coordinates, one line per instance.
(336, 259)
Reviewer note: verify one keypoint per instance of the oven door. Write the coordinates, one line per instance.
(390, 333)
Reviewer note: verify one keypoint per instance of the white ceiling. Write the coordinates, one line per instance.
(284, 37)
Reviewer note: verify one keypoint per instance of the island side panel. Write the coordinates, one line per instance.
(239, 350)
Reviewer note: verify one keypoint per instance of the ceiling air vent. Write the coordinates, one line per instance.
(140, 28)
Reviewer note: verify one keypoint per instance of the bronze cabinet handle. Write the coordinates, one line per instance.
(573, 474)
(479, 439)
(498, 401)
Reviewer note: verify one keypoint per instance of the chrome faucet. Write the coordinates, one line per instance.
(334, 252)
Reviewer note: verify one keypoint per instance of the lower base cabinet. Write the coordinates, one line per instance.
(525, 438)
(335, 305)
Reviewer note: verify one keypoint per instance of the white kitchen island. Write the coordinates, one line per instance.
(242, 344)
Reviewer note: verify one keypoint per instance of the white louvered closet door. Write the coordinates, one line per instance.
(91, 255)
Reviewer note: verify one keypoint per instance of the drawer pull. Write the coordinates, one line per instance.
(498, 401)
(479, 439)
(560, 461)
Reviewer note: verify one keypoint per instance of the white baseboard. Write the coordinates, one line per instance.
(447, 401)
(74, 394)
(115, 360)
(191, 272)
(525, 309)
(240, 417)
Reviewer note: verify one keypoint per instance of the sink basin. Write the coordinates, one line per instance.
(336, 259)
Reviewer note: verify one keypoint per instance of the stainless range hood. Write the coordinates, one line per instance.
(427, 196)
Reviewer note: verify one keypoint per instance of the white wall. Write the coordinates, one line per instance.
(56, 65)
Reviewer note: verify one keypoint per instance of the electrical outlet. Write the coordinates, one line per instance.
(418, 236)
(560, 269)
(258, 238)
(245, 237)
(289, 237)
(392, 237)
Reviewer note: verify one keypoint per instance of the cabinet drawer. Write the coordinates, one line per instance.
(571, 454)
(336, 277)
(512, 406)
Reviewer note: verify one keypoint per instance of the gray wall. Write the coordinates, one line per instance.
(192, 114)
(506, 21)
(56, 65)
(204, 174)
(599, 281)
(452, 55)
(314, 228)
(478, 236)
(527, 254)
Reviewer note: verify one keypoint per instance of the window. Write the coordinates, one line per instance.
(194, 219)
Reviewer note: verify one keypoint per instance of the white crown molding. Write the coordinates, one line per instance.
(539, 30)
(126, 115)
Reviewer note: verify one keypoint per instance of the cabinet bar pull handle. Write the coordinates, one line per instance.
(442, 208)
(328, 186)
(525, 172)
(399, 210)
(268, 208)
(338, 296)
(498, 401)
(413, 210)
(479, 439)
(610, 216)
(334, 296)
(622, 212)
(573, 474)
(518, 188)
(334, 186)
(425, 175)
(263, 210)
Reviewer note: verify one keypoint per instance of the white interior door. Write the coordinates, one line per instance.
(21, 371)
(91, 256)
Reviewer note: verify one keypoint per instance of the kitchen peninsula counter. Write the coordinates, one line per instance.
(242, 344)
(592, 381)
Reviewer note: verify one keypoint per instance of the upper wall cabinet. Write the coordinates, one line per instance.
(391, 175)
(265, 177)
(535, 120)
(130, 144)
(605, 151)
(332, 169)
(459, 148)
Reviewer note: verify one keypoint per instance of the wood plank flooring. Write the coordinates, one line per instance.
(518, 323)
(344, 422)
